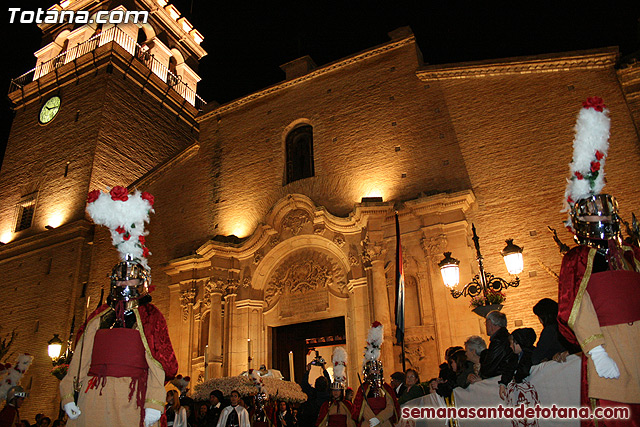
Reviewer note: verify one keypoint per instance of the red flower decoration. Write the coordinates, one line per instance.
(595, 166)
(120, 230)
(145, 252)
(119, 193)
(148, 197)
(594, 102)
(599, 154)
(93, 196)
(187, 379)
(152, 288)
(126, 237)
(579, 175)
(569, 199)
(376, 324)
(142, 240)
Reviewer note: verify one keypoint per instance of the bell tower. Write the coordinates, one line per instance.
(112, 96)
(105, 103)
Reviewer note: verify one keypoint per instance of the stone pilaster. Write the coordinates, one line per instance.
(373, 256)
(187, 299)
(229, 336)
(214, 348)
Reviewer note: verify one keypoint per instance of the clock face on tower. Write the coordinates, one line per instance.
(49, 109)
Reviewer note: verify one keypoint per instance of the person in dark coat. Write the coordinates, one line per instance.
(414, 388)
(461, 369)
(551, 345)
(446, 373)
(519, 361)
(493, 360)
(283, 417)
(316, 396)
(215, 407)
(397, 383)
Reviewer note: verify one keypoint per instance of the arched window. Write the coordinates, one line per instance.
(299, 152)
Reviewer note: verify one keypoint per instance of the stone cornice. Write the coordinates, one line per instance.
(167, 21)
(250, 303)
(320, 215)
(440, 203)
(186, 263)
(579, 60)
(233, 105)
(257, 240)
(79, 231)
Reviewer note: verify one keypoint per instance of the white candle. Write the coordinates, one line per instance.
(249, 354)
(291, 371)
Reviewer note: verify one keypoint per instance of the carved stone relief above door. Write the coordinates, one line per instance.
(302, 283)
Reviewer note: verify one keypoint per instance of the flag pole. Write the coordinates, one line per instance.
(399, 293)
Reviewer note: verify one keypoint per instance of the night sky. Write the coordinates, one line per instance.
(247, 40)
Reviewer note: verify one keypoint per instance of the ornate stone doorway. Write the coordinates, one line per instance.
(302, 339)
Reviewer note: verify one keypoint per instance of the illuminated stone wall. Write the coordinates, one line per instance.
(501, 130)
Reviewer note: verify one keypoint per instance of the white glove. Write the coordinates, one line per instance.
(374, 422)
(605, 366)
(151, 416)
(72, 410)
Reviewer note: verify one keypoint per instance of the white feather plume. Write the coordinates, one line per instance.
(125, 220)
(375, 338)
(339, 359)
(590, 147)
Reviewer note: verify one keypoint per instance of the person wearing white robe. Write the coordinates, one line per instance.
(243, 415)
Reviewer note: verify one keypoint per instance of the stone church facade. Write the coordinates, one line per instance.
(277, 209)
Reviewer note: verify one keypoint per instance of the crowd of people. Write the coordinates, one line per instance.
(509, 356)
(10, 414)
(237, 410)
(242, 411)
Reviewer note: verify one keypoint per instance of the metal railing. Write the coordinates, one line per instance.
(113, 34)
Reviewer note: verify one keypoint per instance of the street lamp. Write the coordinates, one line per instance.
(483, 281)
(55, 347)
